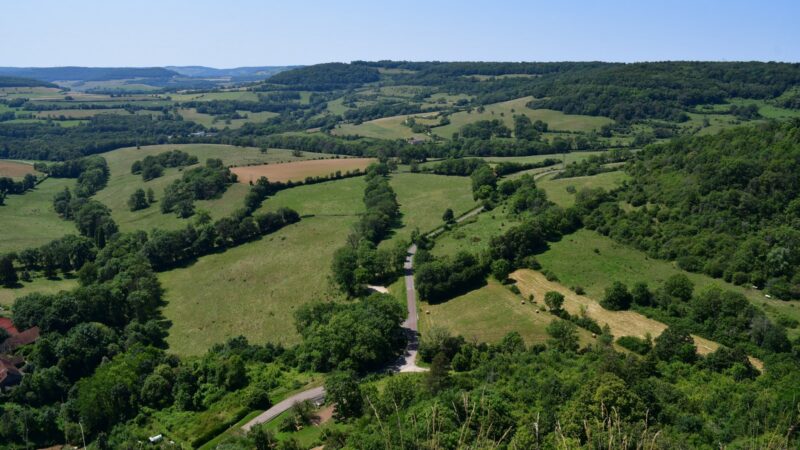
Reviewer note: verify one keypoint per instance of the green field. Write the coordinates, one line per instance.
(423, 199)
(557, 188)
(575, 262)
(39, 285)
(505, 111)
(208, 121)
(387, 127)
(473, 234)
(489, 313)
(28, 220)
(209, 96)
(122, 183)
(253, 289)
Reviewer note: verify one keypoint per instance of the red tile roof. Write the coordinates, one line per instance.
(26, 337)
(6, 323)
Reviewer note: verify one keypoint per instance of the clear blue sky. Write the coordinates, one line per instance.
(245, 33)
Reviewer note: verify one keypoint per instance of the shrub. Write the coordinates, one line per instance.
(616, 297)
(635, 344)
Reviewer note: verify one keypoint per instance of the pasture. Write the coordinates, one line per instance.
(300, 170)
(424, 198)
(576, 263)
(489, 313)
(78, 113)
(473, 235)
(556, 189)
(622, 323)
(209, 121)
(38, 285)
(29, 220)
(15, 169)
(505, 112)
(387, 127)
(254, 289)
(122, 183)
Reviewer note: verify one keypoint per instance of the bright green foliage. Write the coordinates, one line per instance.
(554, 301)
(564, 335)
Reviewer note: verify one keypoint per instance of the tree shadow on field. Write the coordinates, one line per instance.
(463, 289)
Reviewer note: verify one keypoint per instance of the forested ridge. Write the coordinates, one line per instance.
(725, 205)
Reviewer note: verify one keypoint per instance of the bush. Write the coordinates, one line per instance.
(554, 301)
(617, 297)
(635, 344)
(740, 278)
(550, 276)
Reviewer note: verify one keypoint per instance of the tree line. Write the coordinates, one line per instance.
(152, 166)
(360, 262)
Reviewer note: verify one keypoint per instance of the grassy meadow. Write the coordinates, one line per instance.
(254, 289)
(489, 313)
(576, 263)
(387, 127)
(123, 183)
(29, 220)
(209, 121)
(424, 198)
(505, 111)
(556, 189)
(38, 285)
(300, 170)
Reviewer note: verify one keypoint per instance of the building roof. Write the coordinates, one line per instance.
(8, 325)
(14, 360)
(26, 337)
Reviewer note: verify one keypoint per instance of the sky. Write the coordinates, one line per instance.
(233, 33)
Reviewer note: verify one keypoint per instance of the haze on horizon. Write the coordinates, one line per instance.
(253, 33)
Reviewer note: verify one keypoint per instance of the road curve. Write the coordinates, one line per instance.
(407, 362)
(314, 394)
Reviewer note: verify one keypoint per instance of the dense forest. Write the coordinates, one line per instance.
(18, 81)
(324, 77)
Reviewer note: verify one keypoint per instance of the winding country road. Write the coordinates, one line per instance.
(406, 363)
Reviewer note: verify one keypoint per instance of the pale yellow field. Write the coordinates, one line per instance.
(622, 323)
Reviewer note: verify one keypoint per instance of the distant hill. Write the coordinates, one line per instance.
(236, 73)
(87, 73)
(327, 76)
(23, 82)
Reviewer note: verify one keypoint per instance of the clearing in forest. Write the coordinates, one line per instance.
(505, 111)
(299, 171)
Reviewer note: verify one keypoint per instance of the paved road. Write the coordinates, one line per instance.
(315, 394)
(406, 363)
